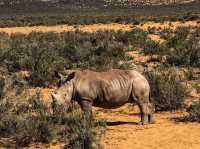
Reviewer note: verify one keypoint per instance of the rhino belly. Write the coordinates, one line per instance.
(111, 103)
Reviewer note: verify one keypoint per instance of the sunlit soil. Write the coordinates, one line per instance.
(124, 133)
(98, 27)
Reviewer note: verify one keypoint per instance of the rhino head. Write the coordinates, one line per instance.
(64, 93)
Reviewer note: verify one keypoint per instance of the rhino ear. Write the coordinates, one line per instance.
(59, 75)
(61, 78)
(71, 76)
(53, 96)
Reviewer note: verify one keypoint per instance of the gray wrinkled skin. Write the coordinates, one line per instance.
(110, 89)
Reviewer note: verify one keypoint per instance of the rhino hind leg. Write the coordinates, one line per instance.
(144, 113)
(151, 114)
(151, 118)
(146, 109)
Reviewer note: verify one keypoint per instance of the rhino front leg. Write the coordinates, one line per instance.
(86, 107)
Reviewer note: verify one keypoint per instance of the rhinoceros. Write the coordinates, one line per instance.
(110, 89)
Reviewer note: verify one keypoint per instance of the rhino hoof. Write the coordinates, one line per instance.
(142, 123)
(152, 122)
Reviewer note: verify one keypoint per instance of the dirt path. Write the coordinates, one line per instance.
(97, 27)
(124, 133)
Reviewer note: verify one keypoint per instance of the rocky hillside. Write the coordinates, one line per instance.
(104, 3)
(123, 2)
(147, 2)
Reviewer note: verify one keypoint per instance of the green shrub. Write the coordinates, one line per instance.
(195, 52)
(32, 121)
(152, 47)
(44, 53)
(2, 85)
(37, 105)
(80, 131)
(25, 125)
(168, 93)
(4, 46)
(184, 48)
(34, 129)
(197, 87)
(194, 112)
(137, 37)
(180, 49)
(166, 33)
(189, 74)
(8, 125)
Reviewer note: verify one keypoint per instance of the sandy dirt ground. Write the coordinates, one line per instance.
(124, 133)
(98, 27)
(102, 27)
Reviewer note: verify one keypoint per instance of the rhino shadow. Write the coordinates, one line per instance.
(120, 123)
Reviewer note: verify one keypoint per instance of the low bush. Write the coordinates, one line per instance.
(194, 112)
(167, 92)
(152, 47)
(181, 47)
(8, 122)
(197, 87)
(42, 54)
(166, 33)
(2, 84)
(184, 48)
(189, 74)
(83, 134)
(33, 121)
(137, 37)
(23, 123)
